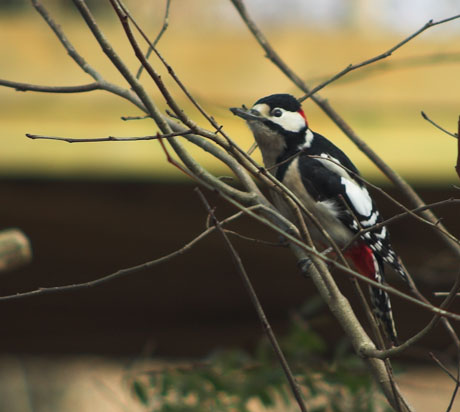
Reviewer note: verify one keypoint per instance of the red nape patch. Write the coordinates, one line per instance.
(300, 111)
(363, 259)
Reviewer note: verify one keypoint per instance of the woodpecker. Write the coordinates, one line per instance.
(327, 183)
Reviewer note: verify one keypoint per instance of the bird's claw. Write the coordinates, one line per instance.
(304, 265)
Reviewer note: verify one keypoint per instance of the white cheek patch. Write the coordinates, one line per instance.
(290, 121)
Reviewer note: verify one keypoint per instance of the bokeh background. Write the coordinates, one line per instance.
(91, 209)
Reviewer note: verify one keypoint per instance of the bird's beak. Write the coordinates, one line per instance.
(246, 113)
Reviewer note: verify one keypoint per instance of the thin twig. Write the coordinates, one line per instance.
(442, 366)
(123, 272)
(455, 379)
(81, 62)
(127, 118)
(164, 27)
(139, 96)
(344, 269)
(433, 322)
(381, 56)
(65, 41)
(386, 66)
(254, 240)
(455, 391)
(257, 306)
(441, 294)
(25, 87)
(177, 111)
(457, 166)
(425, 116)
(410, 212)
(108, 138)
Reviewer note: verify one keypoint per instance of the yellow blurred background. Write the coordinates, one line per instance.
(222, 66)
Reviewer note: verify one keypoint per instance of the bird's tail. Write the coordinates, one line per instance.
(381, 306)
(393, 260)
(368, 265)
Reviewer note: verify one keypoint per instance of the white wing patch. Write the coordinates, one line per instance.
(371, 221)
(333, 165)
(359, 197)
(382, 233)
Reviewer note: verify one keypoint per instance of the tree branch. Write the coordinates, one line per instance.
(425, 116)
(108, 138)
(257, 306)
(25, 87)
(457, 166)
(409, 342)
(349, 272)
(163, 29)
(123, 272)
(381, 56)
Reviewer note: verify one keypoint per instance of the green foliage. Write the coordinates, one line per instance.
(232, 380)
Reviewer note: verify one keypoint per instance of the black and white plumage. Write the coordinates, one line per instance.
(326, 181)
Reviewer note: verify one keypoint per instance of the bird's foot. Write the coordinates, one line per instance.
(305, 265)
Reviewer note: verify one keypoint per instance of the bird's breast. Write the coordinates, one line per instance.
(325, 211)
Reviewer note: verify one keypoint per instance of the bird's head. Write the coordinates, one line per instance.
(279, 112)
(277, 122)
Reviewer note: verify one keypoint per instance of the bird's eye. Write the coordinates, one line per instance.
(277, 112)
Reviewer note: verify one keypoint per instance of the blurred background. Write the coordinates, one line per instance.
(91, 209)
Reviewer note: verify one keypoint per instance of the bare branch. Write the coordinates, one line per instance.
(381, 56)
(440, 294)
(257, 306)
(457, 166)
(254, 240)
(123, 272)
(448, 373)
(81, 62)
(425, 116)
(65, 41)
(164, 27)
(146, 103)
(24, 87)
(349, 272)
(127, 118)
(388, 65)
(407, 212)
(443, 367)
(411, 341)
(108, 138)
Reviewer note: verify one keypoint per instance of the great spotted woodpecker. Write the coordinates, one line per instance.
(327, 183)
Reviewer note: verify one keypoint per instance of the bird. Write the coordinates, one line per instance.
(328, 184)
